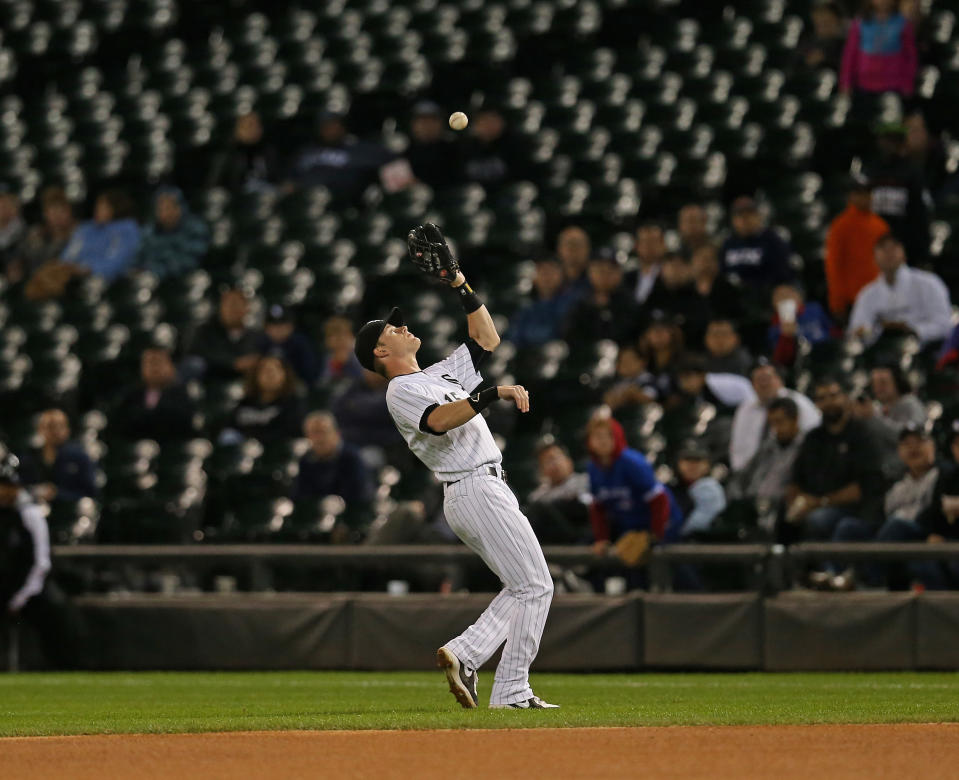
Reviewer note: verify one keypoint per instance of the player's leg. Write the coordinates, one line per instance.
(487, 517)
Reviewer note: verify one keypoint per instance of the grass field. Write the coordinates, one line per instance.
(147, 702)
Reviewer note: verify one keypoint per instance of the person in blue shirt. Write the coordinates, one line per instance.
(754, 253)
(58, 470)
(281, 339)
(626, 494)
(175, 242)
(107, 245)
(543, 319)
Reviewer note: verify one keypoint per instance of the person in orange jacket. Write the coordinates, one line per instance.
(850, 264)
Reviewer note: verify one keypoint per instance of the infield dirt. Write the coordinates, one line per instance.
(783, 752)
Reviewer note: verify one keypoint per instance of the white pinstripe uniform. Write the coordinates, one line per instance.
(484, 513)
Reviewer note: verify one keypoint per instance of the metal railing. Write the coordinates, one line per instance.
(773, 567)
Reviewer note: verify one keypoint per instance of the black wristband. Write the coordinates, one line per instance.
(468, 299)
(479, 401)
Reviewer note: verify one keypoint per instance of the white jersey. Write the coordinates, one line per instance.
(411, 397)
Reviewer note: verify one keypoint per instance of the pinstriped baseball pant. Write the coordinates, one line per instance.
(484, 513)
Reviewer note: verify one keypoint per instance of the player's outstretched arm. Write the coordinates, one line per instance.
(479, 322)
(445, 417)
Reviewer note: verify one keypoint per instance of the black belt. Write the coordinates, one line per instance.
(491, 470)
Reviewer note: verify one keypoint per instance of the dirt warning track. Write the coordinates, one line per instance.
(782, 752)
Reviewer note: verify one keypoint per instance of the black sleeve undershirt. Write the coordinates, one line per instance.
(477, 353)
(424, 425)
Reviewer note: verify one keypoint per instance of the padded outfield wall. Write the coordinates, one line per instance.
(793, 631)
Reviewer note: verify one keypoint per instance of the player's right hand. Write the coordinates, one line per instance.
(517, 393)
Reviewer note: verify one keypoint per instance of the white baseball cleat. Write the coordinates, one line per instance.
(533, 703)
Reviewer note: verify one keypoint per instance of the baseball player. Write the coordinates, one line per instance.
(437, 411)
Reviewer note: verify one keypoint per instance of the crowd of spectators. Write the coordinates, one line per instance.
(711, 321)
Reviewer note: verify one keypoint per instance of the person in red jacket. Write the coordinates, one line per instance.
(850, 261)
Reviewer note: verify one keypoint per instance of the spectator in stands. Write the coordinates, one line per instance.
(715, 296)
(850, 247)
(175, 242)
(700, 497)
(281, 339)
(543, 319)
(607, 312)
(626, 494)
(752, 418)
(340, 361)
(885, 437)
(226, 348)
(158, 408)
(837, 485)
(694, 384)
(45, 241)
(12, 226)
(796, 320)
(674, 293)
(331, 466)
(911, 495)
(573, 249)
(661, 346)
(362, 415)
(249, 163)
(898, 407)
(492, 155)
(924, 150)
(899, 192)
(901, 300)
(936, 523)
(880, 52)
(271, 408)
(634, 382)
(432, 155)
(59, 470)
(107, 245)
(692, 225)
(650, 253)
(341, 162)
(822, 46)
(754, 253)
(725, 354)
(909, 499)
(768, 473)
(558, 508)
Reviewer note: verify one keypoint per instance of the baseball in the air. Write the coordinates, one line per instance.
(459, 120)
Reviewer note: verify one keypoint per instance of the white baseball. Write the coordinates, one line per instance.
(459, 120)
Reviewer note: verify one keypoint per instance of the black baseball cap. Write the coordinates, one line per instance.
(693, 449)
(370, 333)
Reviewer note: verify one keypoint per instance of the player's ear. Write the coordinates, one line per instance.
(380, 351)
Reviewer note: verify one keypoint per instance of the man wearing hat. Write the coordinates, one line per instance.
(754, 252)
(431, 153)
(24, 555)
(899, 192)
(700, 497)
(852, 236)
(281, 339)
(607, 311)
(909, 500)
(437, 410)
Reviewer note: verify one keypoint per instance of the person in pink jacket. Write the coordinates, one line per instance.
(880, 52)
